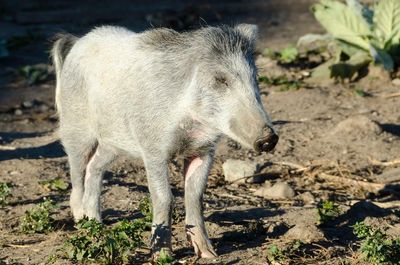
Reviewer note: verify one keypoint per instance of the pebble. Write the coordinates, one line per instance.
(235, 169)
(280, 190)
(18, 112)
(305, 232)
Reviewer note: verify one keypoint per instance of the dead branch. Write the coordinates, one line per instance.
(298, 168)
(373, 187)
(375, 162)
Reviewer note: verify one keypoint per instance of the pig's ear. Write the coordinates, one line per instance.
(250, 31)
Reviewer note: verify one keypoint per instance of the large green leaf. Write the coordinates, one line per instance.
(382, 57)
(387, 23)
(362, 10)
(343, 23)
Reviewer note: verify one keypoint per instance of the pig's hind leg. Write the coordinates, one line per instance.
(93, 181)
(79, 149)
(196, 175)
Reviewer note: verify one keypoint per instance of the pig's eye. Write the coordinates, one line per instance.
(221, 80)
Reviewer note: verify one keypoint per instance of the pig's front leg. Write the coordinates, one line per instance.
(161, 198)
(196, 175)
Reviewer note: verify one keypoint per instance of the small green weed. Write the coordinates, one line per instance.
(288, 54)
(38, 219)
(376, 246)
(98, 243)
(327, 211)
(57, 184)
(5, 192)
(33, 74)
(282, 81)
(164, 258)
(276, 254)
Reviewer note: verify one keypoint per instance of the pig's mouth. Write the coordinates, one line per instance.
(266, 144)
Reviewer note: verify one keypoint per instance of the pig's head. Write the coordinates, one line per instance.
(228, 96)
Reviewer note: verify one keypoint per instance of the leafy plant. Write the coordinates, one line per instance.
(33, 74)
(5, 191)
(288, 54)
(327, 211)
(376, 246)
(164, 258)
(98, 243)
(282, 81)
(274, 253)
(38, 219)
(362, 35)
(57, 184)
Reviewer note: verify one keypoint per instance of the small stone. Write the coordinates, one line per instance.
(389, 176)
(396, 81)
(235, 170)
(44, 108)
(305, 232)
(18, 112)
(307, 198)
(27, 104)
(358, 126)
(281, 190)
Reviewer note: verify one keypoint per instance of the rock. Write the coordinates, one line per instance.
(307, 198)
(305, 232)
(280, 190)
(357, 126)
(389, 176)
(235, 170)
(27, 104)
(18, 112)
(396, 81)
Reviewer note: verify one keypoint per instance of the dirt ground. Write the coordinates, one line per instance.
(324, 131)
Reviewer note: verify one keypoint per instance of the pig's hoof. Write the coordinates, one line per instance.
(78, 214)
(200, 242)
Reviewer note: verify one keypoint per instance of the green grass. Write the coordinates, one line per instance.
(5, 192)
(164, 258)
(282, 81)
(104, 245)
(327, 211)
(277, 255)
(376, 246)
(56, 184)
(38, 219)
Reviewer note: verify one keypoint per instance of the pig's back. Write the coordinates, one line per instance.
(126, 97)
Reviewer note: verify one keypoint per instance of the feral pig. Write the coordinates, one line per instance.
(156, 95)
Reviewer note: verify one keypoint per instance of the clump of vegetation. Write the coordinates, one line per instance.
(276, 254)
(34, 74)
(376, 245)
(287, 55)
(98, 243)
(38, 219)
(146, 209)
(282, 81)
(327, 211)
(361, 35)
(57, 184)
(5, 191)
(164, 258)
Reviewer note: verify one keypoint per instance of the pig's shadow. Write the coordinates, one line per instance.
(246, 237)
(50, 150)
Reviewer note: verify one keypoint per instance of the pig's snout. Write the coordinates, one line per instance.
(267, 141)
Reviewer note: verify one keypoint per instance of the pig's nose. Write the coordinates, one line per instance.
(267, 141)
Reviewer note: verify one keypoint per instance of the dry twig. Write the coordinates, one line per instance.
(373, 187)
(375, 162)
